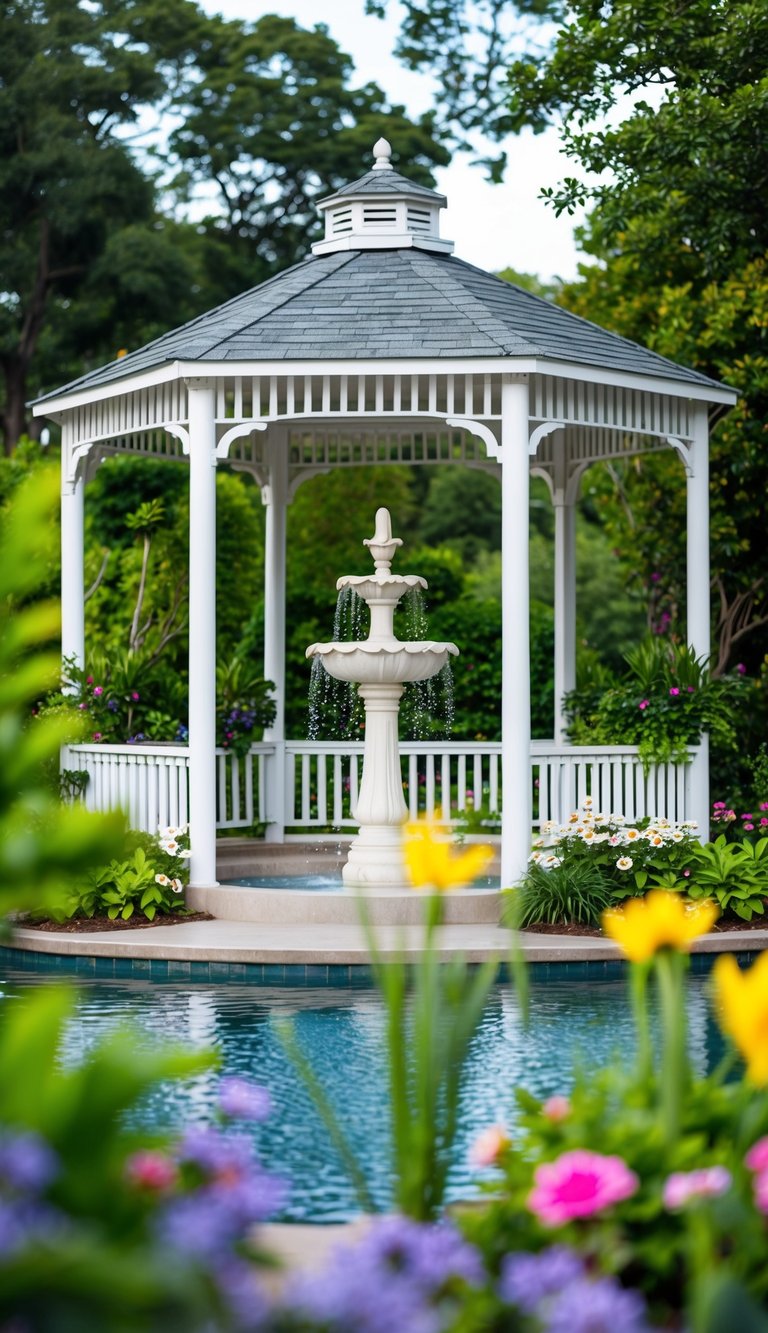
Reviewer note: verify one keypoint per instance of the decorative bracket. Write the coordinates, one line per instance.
(76, 455)
(684, 451)
(540, 433)
(236, 433)
(180, 432)
(477, 428)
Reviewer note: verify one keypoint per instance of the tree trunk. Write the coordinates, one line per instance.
(14, 418)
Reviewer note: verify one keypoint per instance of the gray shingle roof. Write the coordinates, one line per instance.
(388, 181)
(372, 304)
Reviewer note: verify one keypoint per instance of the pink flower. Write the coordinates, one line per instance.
(489, 1145)
(740, 667)
(763, 822)
(579, 1184)
(748, 828)
(757, 1157)
(135, 695)
(682, 1186)
(764, 805)
(97, 735)
(97, 690)
(556, 1109)
(151, 1171)
(760, 1187)
(674, 690)
(89, 680)
(644, 703)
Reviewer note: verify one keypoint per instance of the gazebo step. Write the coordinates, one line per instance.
(337, 907)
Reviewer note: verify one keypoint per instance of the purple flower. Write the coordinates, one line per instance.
(655, 576)
(643, 704)
(112, 705)
(27, 1162)
(390, 1279)
(674, 690)
(239, 1099)
(740, 667)
(526, 1279)
(135, 696)
(600, 1306)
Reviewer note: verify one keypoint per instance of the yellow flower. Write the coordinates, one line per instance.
(742, 1001)
(658, 921)
(431, 863)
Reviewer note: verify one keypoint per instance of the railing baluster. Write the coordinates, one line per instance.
(445, 783)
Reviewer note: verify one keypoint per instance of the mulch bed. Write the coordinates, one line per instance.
(730, 923)
(94, 924)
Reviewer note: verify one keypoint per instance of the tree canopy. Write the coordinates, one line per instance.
(119, 119)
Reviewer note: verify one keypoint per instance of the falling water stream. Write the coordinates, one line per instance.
(335, 708)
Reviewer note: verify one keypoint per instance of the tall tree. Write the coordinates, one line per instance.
(73, 76)
(662, 109)
(274, 123)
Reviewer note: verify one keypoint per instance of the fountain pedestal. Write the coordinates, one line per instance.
(380, 665)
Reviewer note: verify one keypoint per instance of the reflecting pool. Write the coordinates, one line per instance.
(572, 1023)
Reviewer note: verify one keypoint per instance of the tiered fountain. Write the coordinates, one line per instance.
(380, 665)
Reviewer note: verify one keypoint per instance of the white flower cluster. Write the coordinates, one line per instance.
(168, 840)
(596, 827)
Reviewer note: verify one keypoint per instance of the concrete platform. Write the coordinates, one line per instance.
(299, 907)
(252, 942)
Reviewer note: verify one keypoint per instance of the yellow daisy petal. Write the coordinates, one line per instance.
(431, 863)
(658, 921)
(742, 1002)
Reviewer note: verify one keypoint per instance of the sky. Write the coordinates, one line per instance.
(493, 226)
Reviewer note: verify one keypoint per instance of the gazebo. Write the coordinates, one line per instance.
(383, 347)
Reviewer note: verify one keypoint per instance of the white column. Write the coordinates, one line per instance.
(202, 633)
(516, 686)
(275, 497)
(698, 590)
(565, 605)
(72, 572)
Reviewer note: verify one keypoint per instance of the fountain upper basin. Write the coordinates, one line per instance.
(372, 663)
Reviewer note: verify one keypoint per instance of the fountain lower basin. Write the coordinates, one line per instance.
(390, 663)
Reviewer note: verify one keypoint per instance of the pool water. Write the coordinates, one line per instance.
(572, 1022)
(323, 883)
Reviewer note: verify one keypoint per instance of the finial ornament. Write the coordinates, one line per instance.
(382, 544)
(382, 151)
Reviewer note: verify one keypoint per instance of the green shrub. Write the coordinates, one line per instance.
(150, 880)
(563, 895)
(734, 874)
(663, 704)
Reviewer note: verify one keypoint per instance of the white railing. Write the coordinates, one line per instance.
(151, 783)
(317, 789)
(449, 779)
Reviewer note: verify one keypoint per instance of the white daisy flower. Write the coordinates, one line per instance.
(631, 834)
(678, 837)
(624, 863)
(169, 832)
(600, 819)
(588, 802)
(184, 853)
(588, 835)
(162, 879)
(551, 861)
(535, 857)
(177, 885)
(171, 847)
(617, 819)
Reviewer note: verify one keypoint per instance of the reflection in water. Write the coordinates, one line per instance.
(572, 1025)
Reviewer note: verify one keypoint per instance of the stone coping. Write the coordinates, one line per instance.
(238, 942)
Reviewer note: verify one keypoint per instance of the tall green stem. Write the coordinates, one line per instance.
(639, 993)
(670, 968)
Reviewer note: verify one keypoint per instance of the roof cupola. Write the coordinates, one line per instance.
(382, 211)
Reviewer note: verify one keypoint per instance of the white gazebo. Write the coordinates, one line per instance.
(381, 347)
